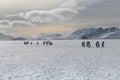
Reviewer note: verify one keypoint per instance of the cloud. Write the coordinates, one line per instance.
(20, 24)
(78, 4)
(65, 12)
(51, 16)
(4, 22)
(107, 8)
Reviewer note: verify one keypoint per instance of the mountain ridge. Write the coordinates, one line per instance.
(85, 33)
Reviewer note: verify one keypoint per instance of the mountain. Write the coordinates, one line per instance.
(55, 36)
(79, 33)
(5, 37)
(86, 33)
(115, 35)
(8, 37)
(19, 38)
(95, 33)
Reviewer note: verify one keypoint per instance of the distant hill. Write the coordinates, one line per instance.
(86, 33)
(115, 35)
(95, 33)
(55, 36)
(5, 37)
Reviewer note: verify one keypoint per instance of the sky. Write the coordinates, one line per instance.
(33, 17)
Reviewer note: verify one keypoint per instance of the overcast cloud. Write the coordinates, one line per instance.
(65, 12)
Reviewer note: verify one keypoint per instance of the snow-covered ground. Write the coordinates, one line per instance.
(65, 60)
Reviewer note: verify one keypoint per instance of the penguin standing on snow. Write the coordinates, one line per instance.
(103, 44)
(97, 44)
(83, 44)
(88, 44)
(37, 43)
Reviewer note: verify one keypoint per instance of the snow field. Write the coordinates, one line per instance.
(65, 60)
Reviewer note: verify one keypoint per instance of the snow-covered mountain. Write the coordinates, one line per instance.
(79, 33)
(95, 33)
(86, 33)
(115, 35)
(55, 36)
(5, 37)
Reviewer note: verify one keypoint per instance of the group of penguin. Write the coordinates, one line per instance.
(47, 43)
(84, 43)
(88, 44)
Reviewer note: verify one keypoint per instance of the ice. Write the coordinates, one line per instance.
(65, 60)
